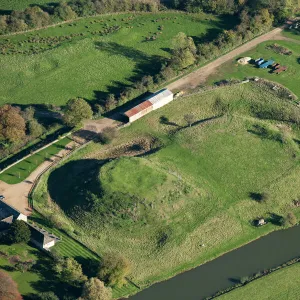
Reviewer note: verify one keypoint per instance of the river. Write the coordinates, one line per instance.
(225, 271)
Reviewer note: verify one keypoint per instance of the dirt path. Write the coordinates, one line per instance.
(16, 195)
(199, 76)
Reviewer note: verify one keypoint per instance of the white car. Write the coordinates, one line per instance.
(2, 197)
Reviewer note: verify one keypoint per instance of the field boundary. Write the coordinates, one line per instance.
(94, 16)
(35, 152)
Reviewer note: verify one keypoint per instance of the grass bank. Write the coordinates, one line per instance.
(282, 284)
(195, 187)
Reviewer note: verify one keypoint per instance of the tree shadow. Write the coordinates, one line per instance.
(175, 131)
(258, 197)
(275, 219)
(89, 266)
(234, 280)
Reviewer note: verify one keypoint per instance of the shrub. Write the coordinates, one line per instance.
(108, 134)
(70, 271)
(77, 110)
(18, 232)
(94, 289)
(290, 219)
(113, 269)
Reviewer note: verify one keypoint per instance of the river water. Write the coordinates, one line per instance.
(224, 271)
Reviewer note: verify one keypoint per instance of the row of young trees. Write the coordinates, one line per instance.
(39, 16)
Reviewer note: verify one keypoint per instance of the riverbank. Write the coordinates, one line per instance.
(224, 272)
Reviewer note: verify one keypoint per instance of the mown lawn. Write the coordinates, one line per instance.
(283, 284)
(92, 66)
(289, 78)
(23, 169)
(201, 183)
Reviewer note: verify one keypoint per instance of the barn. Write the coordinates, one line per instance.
(151, 103)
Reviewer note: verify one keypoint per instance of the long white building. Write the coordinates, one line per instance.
(151, 103)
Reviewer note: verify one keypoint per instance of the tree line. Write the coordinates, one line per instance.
(40, 16)
(280, 9)
(19, 127)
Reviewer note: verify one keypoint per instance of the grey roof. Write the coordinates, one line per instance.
(41, 235)
(159, 96)
(7, 211)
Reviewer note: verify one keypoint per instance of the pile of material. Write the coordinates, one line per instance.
(244, 60)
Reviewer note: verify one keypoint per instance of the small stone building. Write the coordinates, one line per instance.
(42, 238)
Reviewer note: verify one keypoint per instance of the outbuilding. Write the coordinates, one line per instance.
(161, 98)
(41, 237)
(151, 103)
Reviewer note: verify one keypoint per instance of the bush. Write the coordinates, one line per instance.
(290, 219)
(114, 269)
(18, 232)
(108, 134)
(94, 289)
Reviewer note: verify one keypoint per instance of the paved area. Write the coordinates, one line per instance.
(16, 195)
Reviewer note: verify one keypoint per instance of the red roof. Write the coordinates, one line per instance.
(139, 108)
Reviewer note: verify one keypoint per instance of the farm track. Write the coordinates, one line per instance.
(199, 76)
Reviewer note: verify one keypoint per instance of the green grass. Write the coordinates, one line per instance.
(290, 78)
(21, 4)
(23, 169)
(283, 284)
(26, 281)
(200, 188)
(91, 66)
(293, 34)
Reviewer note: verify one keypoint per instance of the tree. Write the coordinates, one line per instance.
(184, 51)
(77, 110)
(12, 124)
(110, 102)
(113, 269)
(8, 288)
(108, 134)
(189, 119)
(18, 232)
(35, 128)
(28, 113)
(64, 12)
(94, 289)
(70, 271)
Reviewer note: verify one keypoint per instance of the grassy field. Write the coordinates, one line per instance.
(194, 189)
(283, 284)
(292, 33)
(290, 78)
(88, 64)
(23, 169)
(20, 4)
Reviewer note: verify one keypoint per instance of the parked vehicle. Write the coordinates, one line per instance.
(2, 197)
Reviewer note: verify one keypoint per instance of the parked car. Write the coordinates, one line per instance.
(2, 197)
